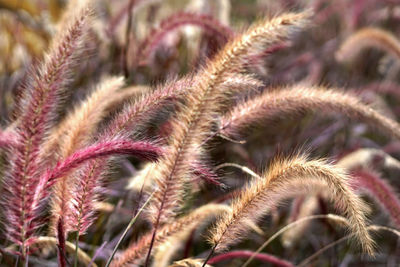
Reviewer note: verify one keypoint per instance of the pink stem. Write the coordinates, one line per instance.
(143, 150)
(247, 254)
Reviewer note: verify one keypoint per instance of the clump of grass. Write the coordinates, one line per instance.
(67, 181)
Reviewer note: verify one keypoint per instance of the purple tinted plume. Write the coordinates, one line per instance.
(36, 114)
(380, 190)
(221, 32)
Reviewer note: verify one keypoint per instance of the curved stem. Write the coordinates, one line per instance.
(245, 254)
(127, 229)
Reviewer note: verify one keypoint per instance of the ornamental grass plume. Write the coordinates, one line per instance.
(130, 136)
(38, 105)
(284, 179)
(297, 99)
(193, 122)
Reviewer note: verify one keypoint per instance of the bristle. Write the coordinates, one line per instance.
(145, 106)
(145, 169)
(133, 114)
(77, 128)
(193, 122)
(7, 139)
(284, 179)
(292, 101)
(143, 150)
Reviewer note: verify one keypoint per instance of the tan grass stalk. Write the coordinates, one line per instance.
(194, 121)
(284, 179)
(368, 37)
(138, 250)
(297, 99)
(361, 158)
(37, 107)
(236, 82)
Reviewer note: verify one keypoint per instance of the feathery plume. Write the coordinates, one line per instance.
(368, 37)
(77, 128)
(236, 82)
(90, 177)
(209, 24)
(37, 107)
(284, 179)
(144, 150)
(272, 104)
(364, 178)
(193, 122)
(144, 106)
